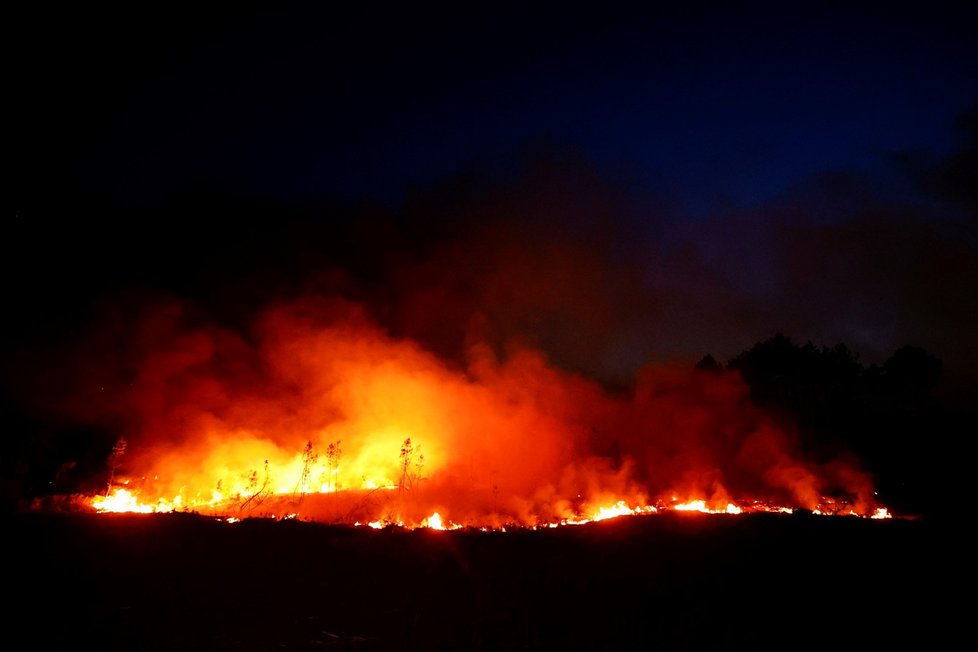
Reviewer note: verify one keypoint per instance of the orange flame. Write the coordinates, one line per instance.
(327, 417)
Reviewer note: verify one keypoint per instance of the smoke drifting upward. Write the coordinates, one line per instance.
(533, 340)
(318, 403)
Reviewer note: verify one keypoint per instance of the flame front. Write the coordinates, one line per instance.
(327, 417)
(122, 500)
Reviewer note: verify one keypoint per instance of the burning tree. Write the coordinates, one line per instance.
(309, 458)
(333, 453)
(410, 479)
(115, 461)
(257, 494)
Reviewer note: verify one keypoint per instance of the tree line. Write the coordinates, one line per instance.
(889, 416)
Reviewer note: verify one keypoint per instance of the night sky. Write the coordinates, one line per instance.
(615, 186)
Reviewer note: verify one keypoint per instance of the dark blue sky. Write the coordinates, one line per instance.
(759, 167)
(710, 106)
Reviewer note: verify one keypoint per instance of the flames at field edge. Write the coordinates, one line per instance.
(122, 500)
(323, 415)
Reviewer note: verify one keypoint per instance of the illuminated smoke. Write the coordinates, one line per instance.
(318, 411)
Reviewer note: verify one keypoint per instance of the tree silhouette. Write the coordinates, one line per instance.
(309, 457)
(257, 494)
(333, 453)
(708, 363)
(410, 479)
(886, 414)
(115, 461)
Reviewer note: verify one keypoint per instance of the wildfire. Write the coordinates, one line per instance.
(330, 418)
(434, 522)
(621, 509)
(124, 500)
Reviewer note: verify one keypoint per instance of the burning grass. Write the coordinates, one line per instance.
(322, 415)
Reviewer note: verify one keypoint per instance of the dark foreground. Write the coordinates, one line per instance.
(663, 582)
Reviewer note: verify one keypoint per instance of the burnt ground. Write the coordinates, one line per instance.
(662, 582)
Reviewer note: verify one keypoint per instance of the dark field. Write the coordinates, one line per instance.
(662, 582)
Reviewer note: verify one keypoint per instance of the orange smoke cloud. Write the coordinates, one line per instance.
(317, 410)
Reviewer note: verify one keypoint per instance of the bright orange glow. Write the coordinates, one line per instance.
(324, 416)
(122, 500)
(620, 509)
(692, 506)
